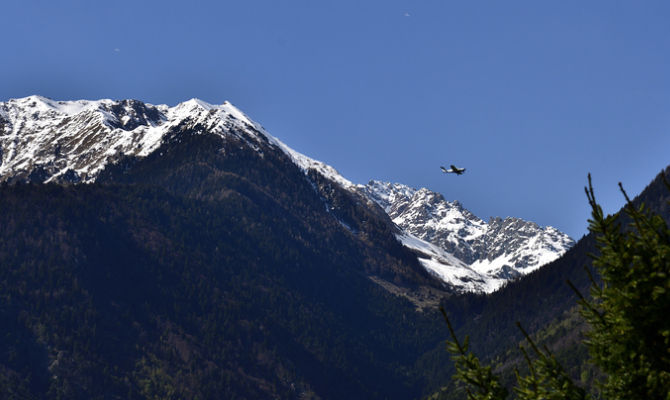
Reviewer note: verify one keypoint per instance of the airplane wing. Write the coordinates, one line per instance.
(453, 170)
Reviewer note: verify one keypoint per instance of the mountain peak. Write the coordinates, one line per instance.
(194, 102)
(49, 138)
(481, 256)
(41, 104)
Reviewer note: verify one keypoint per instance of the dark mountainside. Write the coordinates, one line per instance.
(195, 274)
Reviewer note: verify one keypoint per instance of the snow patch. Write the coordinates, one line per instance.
(448, 268)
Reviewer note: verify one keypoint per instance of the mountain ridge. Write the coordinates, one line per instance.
(44, 140)
(489, 254)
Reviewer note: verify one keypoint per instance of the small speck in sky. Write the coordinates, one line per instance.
(117, 50)
(406, 14)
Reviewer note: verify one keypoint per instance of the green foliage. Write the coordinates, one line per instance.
(547, 379)
(629, 339)
(630, 335)
(564, 338)
(479, 381)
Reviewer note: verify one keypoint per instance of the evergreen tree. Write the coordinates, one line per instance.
(629, 339)
(478, 380)
(547, 380)
(629, 312)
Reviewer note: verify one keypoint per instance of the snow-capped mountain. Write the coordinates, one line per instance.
(42, 140)
(489, 253)
(72, 141)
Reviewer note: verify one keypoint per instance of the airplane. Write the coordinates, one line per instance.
(453, 169)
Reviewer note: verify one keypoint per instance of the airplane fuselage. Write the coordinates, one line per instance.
(453, 170)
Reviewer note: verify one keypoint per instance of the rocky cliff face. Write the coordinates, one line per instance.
(494, 252)
(43, 140)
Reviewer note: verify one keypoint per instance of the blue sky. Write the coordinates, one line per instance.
(529, 96)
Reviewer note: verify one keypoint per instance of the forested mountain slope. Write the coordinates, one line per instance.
(209, 279)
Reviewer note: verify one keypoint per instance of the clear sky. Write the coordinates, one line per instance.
(529, 96)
